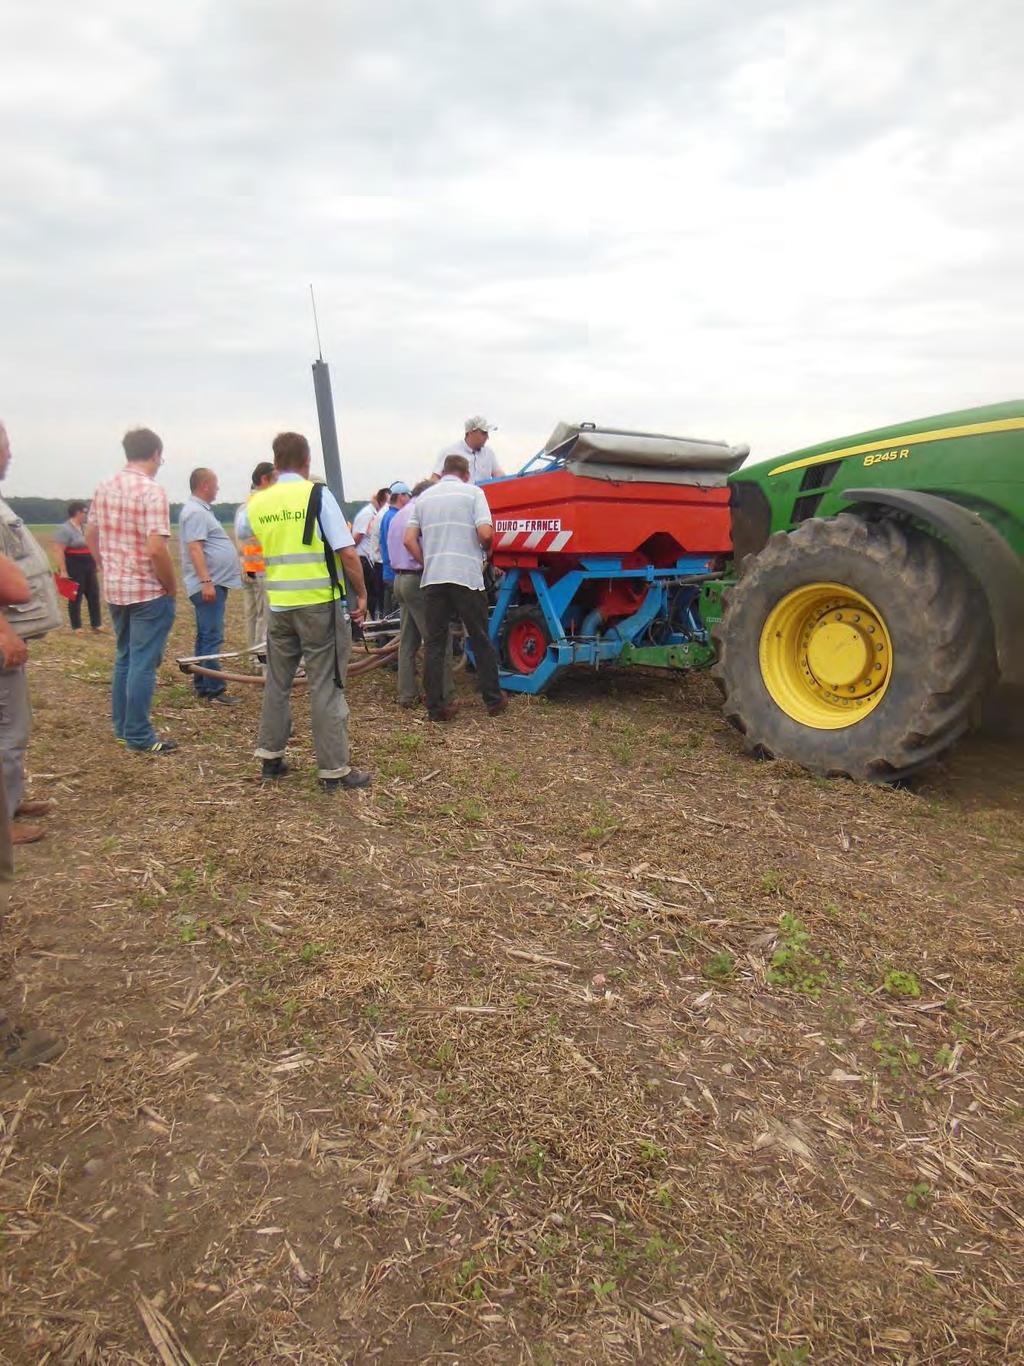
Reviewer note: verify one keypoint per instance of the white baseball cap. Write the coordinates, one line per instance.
(480, 424)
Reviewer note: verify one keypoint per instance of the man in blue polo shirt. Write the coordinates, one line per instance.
(209, 565)
(399, 495)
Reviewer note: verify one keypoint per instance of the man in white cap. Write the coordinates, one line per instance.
(483, 463)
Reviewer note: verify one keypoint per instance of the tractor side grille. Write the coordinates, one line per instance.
(817, 478)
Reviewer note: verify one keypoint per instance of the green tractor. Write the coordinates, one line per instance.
(879, 592)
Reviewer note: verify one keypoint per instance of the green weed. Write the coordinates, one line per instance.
(535, 1159)
(894, 1058)
(444, 1054)
(793, 965)
(719, 967)
(901, 984)
(489, 1176)
(918, 1195)
(467, 1279)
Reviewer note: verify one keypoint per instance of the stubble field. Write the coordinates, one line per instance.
(580, 1037)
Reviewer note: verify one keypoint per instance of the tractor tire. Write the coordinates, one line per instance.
(523, 640)
(913, 602)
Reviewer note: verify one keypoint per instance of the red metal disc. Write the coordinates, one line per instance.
(526, 645)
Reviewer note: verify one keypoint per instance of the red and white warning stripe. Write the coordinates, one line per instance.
(531, 533)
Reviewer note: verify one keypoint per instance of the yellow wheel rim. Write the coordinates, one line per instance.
(825, 656)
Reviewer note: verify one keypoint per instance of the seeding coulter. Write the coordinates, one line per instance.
(856, 600)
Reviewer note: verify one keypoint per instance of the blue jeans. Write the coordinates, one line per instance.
(141, 629)
(209, 637)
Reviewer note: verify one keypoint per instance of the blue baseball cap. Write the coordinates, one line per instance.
(399, 487)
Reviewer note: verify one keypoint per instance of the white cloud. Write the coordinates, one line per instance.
(772, 223)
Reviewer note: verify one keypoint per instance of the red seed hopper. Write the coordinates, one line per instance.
(640, 496)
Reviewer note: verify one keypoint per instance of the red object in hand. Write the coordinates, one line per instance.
(66, 587)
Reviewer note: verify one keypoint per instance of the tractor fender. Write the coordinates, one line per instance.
(998, 571)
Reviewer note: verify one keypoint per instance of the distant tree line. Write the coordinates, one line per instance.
(50, 511)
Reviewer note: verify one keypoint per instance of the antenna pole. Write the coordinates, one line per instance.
(316, 324)
(325, 414)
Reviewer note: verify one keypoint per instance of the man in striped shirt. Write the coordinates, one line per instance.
(448, 532)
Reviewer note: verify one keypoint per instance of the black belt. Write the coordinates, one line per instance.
(408, 571)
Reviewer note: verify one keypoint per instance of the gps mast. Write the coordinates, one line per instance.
(325, 414)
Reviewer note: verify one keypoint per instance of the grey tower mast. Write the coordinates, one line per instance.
(325, 414)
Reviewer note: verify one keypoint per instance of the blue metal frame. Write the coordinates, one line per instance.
(555, 600)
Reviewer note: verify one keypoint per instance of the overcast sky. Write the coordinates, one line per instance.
(767, 222)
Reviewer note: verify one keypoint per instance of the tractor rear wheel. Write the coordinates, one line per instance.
(854, 647)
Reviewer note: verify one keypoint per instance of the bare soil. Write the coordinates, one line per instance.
(581, 1037)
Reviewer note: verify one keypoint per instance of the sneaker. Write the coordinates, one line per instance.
(445, 714)
(158, 747)
(416, 701)
(34, 808)
(26, 834)
(273, 768)
(496, 708)
(27, 1047)
(221, 699)
(354, 778)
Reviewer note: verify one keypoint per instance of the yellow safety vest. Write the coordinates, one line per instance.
(296, 574)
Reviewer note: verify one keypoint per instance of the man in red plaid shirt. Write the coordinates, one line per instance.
(128, 533)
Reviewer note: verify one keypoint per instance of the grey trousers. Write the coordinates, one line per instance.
(15, 726)
(307, 634)
(414, 633)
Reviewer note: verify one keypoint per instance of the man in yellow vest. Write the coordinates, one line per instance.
(303, 534)
(250, 554)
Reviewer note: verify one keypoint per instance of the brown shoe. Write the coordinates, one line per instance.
(34, 808)
(27, 834)
(498, 707)
(445, 713)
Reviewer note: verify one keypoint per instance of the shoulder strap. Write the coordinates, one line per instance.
(316, 496)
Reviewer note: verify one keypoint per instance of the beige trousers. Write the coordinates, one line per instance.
(254, 607)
